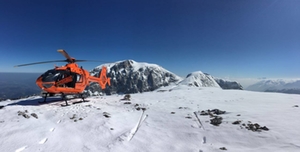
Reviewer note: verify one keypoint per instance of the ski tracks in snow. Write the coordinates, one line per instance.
(128, 135)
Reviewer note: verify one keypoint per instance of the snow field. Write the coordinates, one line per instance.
(104, 123)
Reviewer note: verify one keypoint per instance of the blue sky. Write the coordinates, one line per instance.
(225, 38)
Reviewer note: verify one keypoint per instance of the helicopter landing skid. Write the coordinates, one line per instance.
(82, 96)
(66, 101)
(45, 97)
(64, 98)
(80, 101)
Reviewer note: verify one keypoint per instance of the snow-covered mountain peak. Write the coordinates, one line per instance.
(129, 76)
(199, 79)
(129, 65)
(196, 73)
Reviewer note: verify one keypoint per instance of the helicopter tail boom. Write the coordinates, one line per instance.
(103, 79)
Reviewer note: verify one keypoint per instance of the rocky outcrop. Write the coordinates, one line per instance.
(132, 77)
(226, 84)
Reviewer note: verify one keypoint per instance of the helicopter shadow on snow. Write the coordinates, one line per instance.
(36, 101)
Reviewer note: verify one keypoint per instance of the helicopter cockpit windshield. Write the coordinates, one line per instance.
(53, 75)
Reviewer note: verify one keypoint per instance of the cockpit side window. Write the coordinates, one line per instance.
(52, 75)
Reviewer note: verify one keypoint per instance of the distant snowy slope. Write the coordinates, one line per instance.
(292, 85)
(227, 84)
(277, 85)
(199, 79)
(267, 84)
(129, 76)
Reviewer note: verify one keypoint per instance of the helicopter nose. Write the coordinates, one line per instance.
(47, 85)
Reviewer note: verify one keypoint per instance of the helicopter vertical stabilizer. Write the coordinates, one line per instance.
(103, 78)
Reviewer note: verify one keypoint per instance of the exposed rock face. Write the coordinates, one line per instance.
(225, 84)
(199, 79)
(132, 77)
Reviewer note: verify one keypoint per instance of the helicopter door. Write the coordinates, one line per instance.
(80, 83)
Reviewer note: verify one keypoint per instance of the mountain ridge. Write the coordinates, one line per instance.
(129, 76)
(276, 85)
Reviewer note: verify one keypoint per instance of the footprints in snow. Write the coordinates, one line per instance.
(43, 141)
(52, 129)
(46, 139)
(204, 140)
(21, 149)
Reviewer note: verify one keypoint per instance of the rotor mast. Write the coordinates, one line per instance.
(66, 55)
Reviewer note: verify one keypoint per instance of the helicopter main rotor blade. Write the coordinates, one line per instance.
(39, 63)
(92, 61)
(66, 55)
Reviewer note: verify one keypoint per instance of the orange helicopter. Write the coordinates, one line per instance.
(69, 79)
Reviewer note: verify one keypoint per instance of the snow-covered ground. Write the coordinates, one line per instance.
(104, 123)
